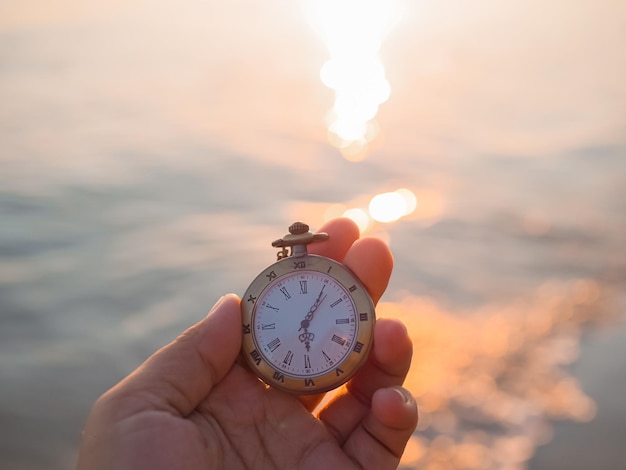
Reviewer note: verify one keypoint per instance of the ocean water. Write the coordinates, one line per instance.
(150, 153)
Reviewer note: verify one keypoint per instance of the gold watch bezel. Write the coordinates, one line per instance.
(361, 344)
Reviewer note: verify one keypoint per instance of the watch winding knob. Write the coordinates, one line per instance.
(298, 228)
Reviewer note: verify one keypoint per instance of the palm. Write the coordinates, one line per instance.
(251, 426)
(241, 424)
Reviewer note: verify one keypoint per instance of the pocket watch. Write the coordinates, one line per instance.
(307, 320)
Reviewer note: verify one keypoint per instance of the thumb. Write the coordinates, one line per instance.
(180, 375)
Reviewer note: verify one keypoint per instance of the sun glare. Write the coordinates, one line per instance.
(388, 207)
(384, 208)
(353, 31)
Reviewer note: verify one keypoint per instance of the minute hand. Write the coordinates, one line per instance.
(307, 337)
(309, 316)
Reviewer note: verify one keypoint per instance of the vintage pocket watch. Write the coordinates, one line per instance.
(308, 322)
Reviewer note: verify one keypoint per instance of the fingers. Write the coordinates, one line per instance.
(342, 233)
(369, 258)
(177, 377)
(389, 362)
(387, 366)
(379, 440)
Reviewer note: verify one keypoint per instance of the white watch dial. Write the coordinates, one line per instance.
(305, 323)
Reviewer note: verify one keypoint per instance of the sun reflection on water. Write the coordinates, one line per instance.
(384, 208)
(353, 31)
(389, 207)
(372, 213)
(490, 384)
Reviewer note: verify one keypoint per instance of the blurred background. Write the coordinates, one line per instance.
(151, 151)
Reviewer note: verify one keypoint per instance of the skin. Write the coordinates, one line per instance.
(194, 405)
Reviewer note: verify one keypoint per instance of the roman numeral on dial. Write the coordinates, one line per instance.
(338, 339)
(336, 302)
(288, 358)
(273, 345)
(285, 293)
(327, 358)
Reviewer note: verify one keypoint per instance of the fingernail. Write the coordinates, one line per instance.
(404, 393)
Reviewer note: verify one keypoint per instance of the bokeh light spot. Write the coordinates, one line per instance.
(360, 217)
(409, 198)
(388, 207)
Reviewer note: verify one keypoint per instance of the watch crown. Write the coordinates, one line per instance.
(298, 228)
(297, 238)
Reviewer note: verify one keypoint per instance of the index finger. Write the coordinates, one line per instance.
(368, 258)
(342, 233)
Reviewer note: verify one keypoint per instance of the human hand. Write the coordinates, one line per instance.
(192, 405)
